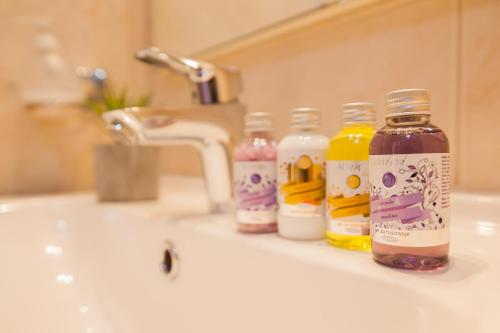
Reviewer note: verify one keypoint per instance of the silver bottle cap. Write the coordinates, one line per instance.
(258, 122)
(407, 102)
(305, 118)
(353, 113)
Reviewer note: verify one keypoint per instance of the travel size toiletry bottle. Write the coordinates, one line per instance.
(255, 176)
(409, 167)
(301, 178)
(347, 190)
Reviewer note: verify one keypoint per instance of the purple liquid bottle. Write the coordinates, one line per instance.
(255, 176)
(409, 167)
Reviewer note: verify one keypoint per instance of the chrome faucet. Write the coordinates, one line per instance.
(210, 84)
(205, 125)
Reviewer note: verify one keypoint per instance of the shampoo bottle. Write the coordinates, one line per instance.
(301, 177)
(255, 176)
(347, 190)
(410, 185)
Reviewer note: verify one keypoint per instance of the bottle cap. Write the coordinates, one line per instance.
(305, 118)
(407, 102)
(258, 122)
(353, 113)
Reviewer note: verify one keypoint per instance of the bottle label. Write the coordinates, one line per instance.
(255, 191)
(348, 197)
(410, 199)
(301, 179)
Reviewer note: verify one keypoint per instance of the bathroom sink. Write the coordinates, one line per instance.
(71, 264)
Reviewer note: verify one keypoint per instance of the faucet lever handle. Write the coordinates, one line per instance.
(211, 84)
(196, 70)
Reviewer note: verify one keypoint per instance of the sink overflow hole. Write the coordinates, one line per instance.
(167, 261)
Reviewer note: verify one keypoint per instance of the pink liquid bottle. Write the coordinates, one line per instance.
(409, 172)
(255, 176)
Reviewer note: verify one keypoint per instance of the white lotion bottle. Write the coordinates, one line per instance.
(301, 178)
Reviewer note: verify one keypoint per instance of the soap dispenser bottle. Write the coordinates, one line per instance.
(410, 185)
(347, 190)
(301, 177)
(255, 176)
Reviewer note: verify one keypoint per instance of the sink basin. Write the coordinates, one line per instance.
(71, 264)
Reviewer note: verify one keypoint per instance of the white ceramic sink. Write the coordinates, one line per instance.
(70, 264)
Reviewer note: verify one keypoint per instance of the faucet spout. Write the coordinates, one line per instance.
(149, 127)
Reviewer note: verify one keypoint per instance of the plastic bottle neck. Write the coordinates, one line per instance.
(408, 120)
(259, 134)
(305, 130)
(351, 125)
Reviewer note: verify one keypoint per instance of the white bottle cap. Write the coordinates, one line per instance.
(305, 118)
(353, 113)
(258, 122)
(407, 102)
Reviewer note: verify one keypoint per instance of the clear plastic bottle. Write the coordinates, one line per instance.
(409, 184)
(301, 178)
(347, 189)
(255, 176)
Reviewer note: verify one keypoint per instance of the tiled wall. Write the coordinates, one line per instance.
(358, 58)
(448, 46)
(479, 113)
(52, 151)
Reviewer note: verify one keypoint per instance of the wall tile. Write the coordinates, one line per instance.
(357, 58)
(361, 56)
(45, 151)
(176, 26)
(48, 152)
(92, 33)
(480, 95)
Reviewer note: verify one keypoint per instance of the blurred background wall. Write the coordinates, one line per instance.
(448, 46)
(50, 150)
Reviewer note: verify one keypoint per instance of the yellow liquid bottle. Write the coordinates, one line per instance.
(347, 187)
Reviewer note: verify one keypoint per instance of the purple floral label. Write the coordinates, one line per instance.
(255, 191)
(265, 197)
(409, 199)
(406, 208)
